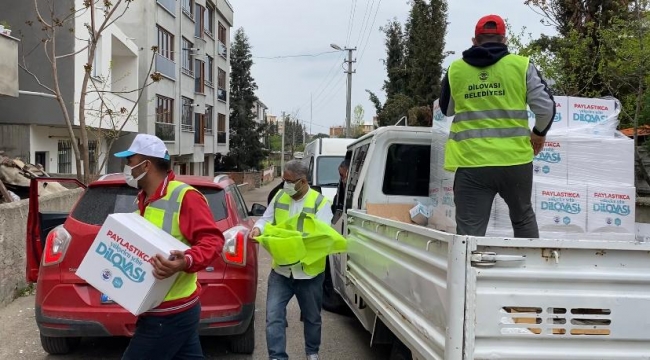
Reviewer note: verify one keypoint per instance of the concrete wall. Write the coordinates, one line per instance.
(13, 228)
(251, 179)
(8, 66)
(14, 140)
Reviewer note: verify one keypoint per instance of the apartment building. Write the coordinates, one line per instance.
(189, 107)
(32, 126)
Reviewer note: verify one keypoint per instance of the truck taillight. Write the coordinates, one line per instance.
(234, 247)
(56, 245)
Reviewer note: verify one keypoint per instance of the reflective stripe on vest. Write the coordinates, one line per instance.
(164, 213)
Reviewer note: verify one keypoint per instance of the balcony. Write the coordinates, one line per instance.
(221, 137)
(169, 5)
(222, 95)
(166, 131)
(166, 67)
(223, 51)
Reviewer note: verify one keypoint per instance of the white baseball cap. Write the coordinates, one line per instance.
(147, 145)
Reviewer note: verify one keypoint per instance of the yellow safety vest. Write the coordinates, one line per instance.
(490, 127)
(313, 203)
(164, 213)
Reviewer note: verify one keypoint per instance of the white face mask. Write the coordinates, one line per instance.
(290, 188)
(130, 180)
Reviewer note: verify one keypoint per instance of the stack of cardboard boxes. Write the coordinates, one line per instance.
(583, 178)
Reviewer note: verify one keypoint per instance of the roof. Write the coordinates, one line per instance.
(193, 180)
(643, 130)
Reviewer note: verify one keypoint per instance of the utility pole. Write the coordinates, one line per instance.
(348, 110)
(284, 126)
(349, 71)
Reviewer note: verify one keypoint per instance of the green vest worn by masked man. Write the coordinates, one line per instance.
(164, 213)
(490, 126)
(301, 238)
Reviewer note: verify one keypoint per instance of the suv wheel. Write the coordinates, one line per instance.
(59, 345)
(244, 343)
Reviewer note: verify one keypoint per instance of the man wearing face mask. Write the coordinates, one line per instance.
(286, 281)
(171, 329)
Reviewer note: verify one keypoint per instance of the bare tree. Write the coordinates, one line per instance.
(52, 24)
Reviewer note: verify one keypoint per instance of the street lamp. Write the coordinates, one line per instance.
(348, 109)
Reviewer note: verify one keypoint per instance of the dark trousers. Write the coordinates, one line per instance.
(474, 192)
(167, 337)
(309, 293)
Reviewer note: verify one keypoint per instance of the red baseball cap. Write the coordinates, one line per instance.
(500, 28)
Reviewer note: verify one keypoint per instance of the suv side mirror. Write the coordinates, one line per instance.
(257, 210)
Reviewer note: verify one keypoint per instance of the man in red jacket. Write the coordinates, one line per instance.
(171, 330)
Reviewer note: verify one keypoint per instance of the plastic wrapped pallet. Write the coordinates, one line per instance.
(560, 207)
(611, 209)
(560, 121)
(604, 160)
(552, 162)
(593, 116)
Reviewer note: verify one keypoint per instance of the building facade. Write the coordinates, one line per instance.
(189, 107)
(32, 126)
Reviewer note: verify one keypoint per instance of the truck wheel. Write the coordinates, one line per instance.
(244, 343)
(400, 351)
(59, 345)
(332, 301)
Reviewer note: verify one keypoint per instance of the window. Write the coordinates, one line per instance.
(188, 109)
(164, 109)
(187, 64)
(222, 33)
(328, 170)
(199, 20)
(221, 129)
(221, 80)
(199, 76)
(65, 157)
(199, 128)
(165, 44)
(208, 21)
(407, 170)
(358, 159)
(239, 201)
(188, 8)
(209, 115)
(98, 202)
(210, 72)
(93, 156)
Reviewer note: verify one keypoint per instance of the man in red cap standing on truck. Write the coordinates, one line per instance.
(490, 145)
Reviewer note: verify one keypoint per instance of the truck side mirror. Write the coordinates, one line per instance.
(257, 210)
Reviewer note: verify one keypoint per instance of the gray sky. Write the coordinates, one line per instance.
(291, 27)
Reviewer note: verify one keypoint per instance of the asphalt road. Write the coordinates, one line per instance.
(343, 337)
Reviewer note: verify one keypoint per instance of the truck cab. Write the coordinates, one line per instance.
(323, 156)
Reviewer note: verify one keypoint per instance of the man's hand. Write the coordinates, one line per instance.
(254, 233)
(164, 268)
(537, 142)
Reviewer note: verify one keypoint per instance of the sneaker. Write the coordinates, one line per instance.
(313, 357)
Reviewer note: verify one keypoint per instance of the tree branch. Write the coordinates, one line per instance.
(72, 54)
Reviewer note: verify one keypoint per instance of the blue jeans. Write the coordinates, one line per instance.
(310, 298)
(167, 337)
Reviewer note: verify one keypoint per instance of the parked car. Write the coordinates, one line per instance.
(67, 308)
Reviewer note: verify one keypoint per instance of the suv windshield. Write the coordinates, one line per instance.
(100, 201)
(328, 170)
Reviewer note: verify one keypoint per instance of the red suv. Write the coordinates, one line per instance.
(67, 308)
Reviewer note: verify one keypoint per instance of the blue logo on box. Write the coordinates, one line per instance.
(118, 282)
(566, 220)
(546, 169)
(617, 222)
(106, 275)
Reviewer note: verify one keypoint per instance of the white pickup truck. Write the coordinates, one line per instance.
(435, 295)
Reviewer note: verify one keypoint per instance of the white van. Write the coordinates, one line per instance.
(323, 156)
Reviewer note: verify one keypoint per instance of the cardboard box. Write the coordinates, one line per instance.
(552, 162)
(601, 160)
(561, 207)
(560, 121)
(611, 209)
(591, 112)
(118, 263)
(397, 212)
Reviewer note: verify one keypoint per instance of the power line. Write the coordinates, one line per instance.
(369, 33)
(294, 56)
(364, 23)
(351, 23)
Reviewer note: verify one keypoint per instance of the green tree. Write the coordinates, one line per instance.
(395, 63)
(245, 147)
(356, 128)
(425, 50)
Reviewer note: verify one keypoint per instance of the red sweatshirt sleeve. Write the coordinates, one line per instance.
(199, 228)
